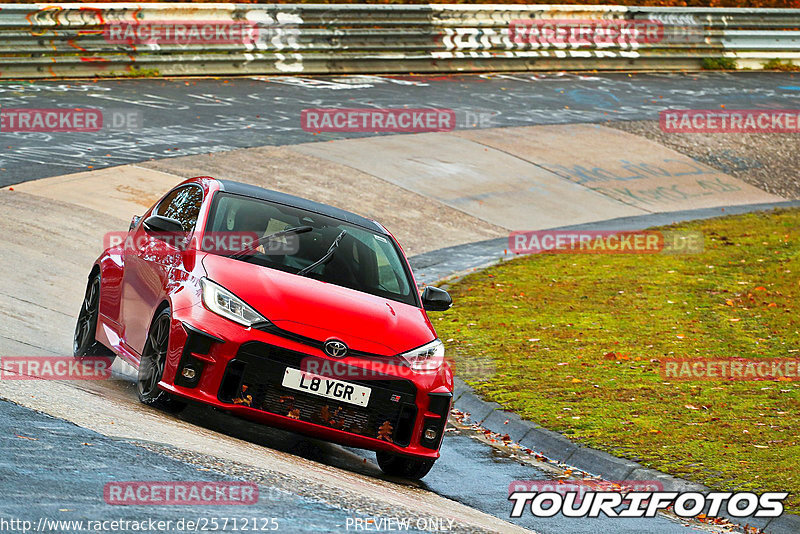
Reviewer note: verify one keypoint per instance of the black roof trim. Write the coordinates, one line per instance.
(238, 188)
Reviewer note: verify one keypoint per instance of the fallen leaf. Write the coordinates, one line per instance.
(385, 431)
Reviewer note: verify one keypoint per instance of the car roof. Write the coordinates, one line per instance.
(253, 191)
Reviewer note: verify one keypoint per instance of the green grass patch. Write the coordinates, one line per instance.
(718, 63)
(577, 342)
(777, 64)
(133, 72)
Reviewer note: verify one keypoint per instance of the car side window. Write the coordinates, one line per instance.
(182, 204)
(375, 256)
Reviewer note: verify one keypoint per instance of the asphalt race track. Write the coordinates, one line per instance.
(183, 117)
(83, 435)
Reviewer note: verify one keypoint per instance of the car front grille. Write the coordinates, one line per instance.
(254, 379)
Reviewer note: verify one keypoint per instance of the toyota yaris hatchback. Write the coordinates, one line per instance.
(278, 309)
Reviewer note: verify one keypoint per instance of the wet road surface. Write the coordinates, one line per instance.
(470, 471)
(152, 119)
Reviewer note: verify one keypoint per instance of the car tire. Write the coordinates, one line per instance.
(403, 466)
(151, 366)
(84, 344)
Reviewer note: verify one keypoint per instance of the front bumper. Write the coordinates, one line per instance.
(240, 370)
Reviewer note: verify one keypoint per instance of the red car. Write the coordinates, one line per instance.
(313, 324)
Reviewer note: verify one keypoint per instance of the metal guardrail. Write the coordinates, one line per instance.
(75, 40)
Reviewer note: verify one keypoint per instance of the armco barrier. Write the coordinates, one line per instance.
(73, 40)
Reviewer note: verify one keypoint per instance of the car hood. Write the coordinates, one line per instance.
(321, 311)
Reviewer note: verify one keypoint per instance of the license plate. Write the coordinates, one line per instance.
(326, 387)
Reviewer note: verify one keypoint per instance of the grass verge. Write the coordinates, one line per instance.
(577, 343)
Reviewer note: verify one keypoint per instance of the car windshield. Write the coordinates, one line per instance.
(363, 260)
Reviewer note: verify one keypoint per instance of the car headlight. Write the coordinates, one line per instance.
(427, 357)
(222, 302)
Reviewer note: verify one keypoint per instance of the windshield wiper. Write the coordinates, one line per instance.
(257, 243)
(326, 258)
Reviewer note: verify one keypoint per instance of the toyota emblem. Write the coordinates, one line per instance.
(335, 348)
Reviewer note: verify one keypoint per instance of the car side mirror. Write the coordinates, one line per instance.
(435, 299)
(158, 224)
(134, 222)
